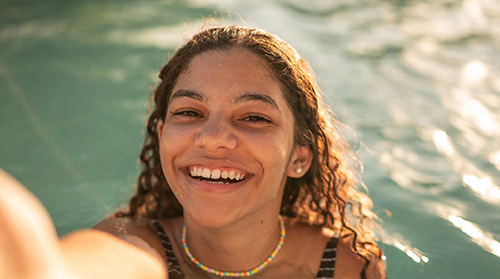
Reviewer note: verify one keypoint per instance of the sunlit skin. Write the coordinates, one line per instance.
(227, 121)
(227, 113)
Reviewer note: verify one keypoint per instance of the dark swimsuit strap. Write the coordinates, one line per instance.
(173, 266)
(327, 266)
(325, 271)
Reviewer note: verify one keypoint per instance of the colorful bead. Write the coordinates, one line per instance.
(237, 274)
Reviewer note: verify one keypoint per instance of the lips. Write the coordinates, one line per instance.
(217, 175)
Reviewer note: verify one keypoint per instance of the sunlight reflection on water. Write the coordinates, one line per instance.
(483, 239)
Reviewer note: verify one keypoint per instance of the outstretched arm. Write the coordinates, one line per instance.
(30, 248)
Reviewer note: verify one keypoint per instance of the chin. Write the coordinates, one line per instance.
(214, 216)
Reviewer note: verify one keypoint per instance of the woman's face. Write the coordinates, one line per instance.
(227, 142)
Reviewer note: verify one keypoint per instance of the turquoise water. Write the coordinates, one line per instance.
(417, 81)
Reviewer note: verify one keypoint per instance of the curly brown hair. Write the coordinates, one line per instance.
(327, 195)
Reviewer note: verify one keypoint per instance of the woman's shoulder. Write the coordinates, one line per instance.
(139, 231)
(350, 264)
(122, 226)
(139, 226)
(305, 244)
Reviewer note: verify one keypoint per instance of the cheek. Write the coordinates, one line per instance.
(173, 138)
(171, 146)
(274, 148)
(169, 150)
(283, 142)
(165, 157)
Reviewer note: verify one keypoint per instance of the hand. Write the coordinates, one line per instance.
(29, 246)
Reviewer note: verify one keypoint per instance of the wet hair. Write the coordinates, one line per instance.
(326, 195)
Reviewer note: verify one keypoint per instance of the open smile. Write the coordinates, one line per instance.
(217, 175)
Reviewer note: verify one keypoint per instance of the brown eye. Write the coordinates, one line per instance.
(256, 119)
(186, 113)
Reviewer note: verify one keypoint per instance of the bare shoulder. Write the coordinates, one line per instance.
(376, 269)
(305, 236)
(120, 226)
(137, 231)
(350, 265)
(304, 246)
(109, 252)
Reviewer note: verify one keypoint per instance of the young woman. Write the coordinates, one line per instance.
(244, 174)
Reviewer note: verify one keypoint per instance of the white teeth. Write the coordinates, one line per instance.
(216, 174)
(206, 173)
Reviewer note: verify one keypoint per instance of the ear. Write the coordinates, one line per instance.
(300, 161)
(159, 128)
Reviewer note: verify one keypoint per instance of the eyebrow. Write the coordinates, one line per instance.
(248, 97)
(188, 94)
(257, 97)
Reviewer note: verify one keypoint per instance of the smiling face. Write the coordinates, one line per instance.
(227, 142)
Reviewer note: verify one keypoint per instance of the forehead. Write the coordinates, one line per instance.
(228, 57)
(236, 68)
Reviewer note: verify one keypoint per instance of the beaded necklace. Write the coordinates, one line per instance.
(242, 273)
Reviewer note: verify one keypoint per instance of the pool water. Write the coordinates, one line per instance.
(417, 81)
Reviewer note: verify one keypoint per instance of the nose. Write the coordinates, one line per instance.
(216, 134)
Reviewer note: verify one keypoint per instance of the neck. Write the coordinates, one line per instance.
(240, 246)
